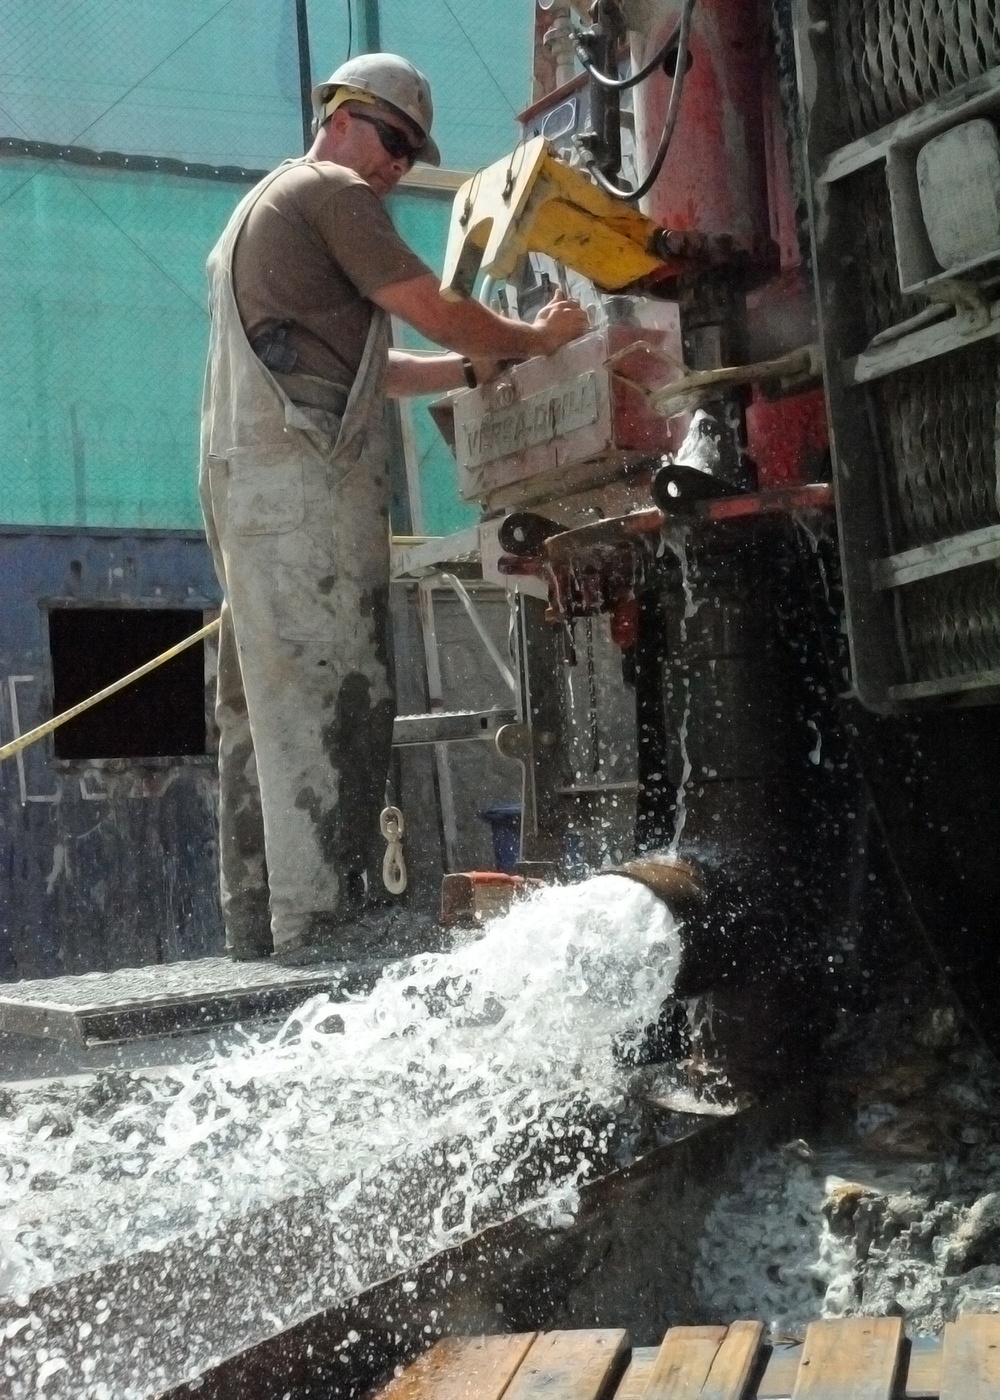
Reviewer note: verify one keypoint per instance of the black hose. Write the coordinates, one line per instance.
(670, 122)
(623, 84)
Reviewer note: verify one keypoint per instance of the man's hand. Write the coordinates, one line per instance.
(472, 329)
(560, 321)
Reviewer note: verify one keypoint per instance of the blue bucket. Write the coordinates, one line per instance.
(505, 824)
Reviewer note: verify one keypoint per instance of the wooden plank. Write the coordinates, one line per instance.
(923, 1373)
(734, 1364)
(428, 177)
(462, 1368)
(683, 1362)
(704, 1363)
(851, 1358)
(570, 1366)
(970, 1362)
(633, 1383)
(778, 1380)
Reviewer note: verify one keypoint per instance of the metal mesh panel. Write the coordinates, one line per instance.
(881, 301)
(939, 423)
(952, 623)
(939, 428)
(895, 55)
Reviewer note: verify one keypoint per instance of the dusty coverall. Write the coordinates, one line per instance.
(296, 512)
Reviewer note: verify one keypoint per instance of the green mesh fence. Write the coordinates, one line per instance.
(102, 343)
(102, 319)
(424, 225)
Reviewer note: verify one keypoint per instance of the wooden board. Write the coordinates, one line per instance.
(637, 1373)
(462, 1368)
(855, 1358)
(735, 1364)
(852, 1358)
(705, 1363)
(570, 1366)
(683, 1362)
(970, 1361)
(923, 1373)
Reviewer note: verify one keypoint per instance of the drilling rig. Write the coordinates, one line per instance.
(752, 518)
(750, 527)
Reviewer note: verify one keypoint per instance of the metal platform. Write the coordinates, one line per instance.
(449, 726)
(108, 1008)
(867, 1358)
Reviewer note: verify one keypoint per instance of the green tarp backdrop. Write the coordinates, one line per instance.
(102, 302)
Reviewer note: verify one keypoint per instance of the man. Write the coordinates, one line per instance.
(294, 489)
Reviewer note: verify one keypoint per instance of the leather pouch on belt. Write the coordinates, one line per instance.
(266, 493)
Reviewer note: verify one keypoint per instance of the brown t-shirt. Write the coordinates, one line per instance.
(314, 248)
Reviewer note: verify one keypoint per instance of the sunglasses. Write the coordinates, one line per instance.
(393, 141)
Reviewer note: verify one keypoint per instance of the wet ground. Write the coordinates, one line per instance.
(892, 1207)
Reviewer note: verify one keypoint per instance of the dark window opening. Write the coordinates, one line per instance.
(160, 716)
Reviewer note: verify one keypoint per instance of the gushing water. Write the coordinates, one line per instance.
(680, 814)
(676, 540)
(467, 1084)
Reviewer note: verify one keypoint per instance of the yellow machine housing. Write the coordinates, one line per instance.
(531, 202)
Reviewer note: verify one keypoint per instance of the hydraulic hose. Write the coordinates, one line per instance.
(623, 84)
(683, 36)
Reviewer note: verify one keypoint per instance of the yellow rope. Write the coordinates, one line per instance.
(33, 735)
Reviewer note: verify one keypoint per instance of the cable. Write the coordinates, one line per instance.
(350, 28)
(128, 91)
(670, 122)
(468, 39)
(196, 302)
(623, 84)
(149, 73)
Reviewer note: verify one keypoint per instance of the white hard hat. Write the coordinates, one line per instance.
(389, 79)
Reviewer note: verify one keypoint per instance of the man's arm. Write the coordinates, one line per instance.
(423, 372)
(413, 372)
(471, 329)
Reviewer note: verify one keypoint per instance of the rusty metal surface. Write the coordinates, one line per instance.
(713, 178)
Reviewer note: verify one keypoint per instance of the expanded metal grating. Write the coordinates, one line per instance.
(894, 56)
(936, 423)
(939, 426)
(952, 623)
(881, 301)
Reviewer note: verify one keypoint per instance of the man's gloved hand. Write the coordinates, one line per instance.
(560, 320)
